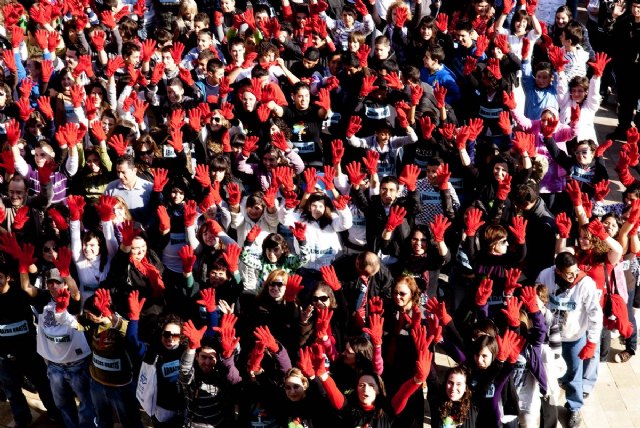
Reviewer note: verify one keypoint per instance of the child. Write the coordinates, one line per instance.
(572, 37)
(206, 41)
(539, 89)
(435, 72)
(343, 27)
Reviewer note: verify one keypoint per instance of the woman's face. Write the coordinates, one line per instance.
(520, 27)
(483, 358)
(500, 171)
(402, 296)
(269, 161)
(426, 32)
(482, 8)
(171, 336)
(349, 356)
(41, 157)
(456, 386)
(501, 246)
(255, 212)
(277, 288)
(320, 299)
(354, 46)
(294, 388)
(562, 19)
(108, 123)
(418, 243)
(177, 196)
(317, 209)
(120, 213)
(611, 226)
(248, 101)
(578, 94)
(367, 390)
(217, 277)
(584, 241)
(146, 154)
(67, 82)
(217, 175)
(93, 163)
(209, 238)
(91, 249)
(138, 249)
(216, 122)
(584, 154)
(49, 251)
(273, 254)
(3, 98)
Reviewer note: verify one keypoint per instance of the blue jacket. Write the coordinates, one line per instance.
(444, 77)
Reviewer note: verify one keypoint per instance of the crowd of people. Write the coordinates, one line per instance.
(271, 214)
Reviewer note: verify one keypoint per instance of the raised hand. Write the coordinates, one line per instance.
(208, 297)
(484, 291)
(504, 188)
(409, 176)
(511, 284)
(438, 227)
(597, 229)
(512, 312)
(193, 334)
(103, 302)
(563, 223)
(396, 217)
(231, 257)
(330, 278)
(438, 309)
(375, 329)
(263, 334)
(529, 299)
(135, 305)
(293, 288)
(323, 322)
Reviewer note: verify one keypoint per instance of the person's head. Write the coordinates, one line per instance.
(406, 294)
(311, 58)
(207, 234)
(457, 385)
(138, 248)
(383, 131)
(433, 58)
(579, 88)
(5, 275)
(419, 240)
(355, 40)
(274, 248)
(427, 29)
(121, 211)
(563, 16)
(585, 151)
(587, 241)
(612, 223)
(170, 331)
(17, 191)
(358, 353)
(520, 23)
(317, 208)
(237, 49)
(525, 197)
(433, 163)
(275, 285)
(485, 349)
(175, 90)
(219, 168)
(6, 96)
(215, 70)
(205, 40)
(218, 273)
(146, 150)
(301, 96)
(166, 53)
(302, 16)
(207, 355)
(382, 47)
(228, 6)
(543, 74)
(177, 191)
(108, 120)
(201, 22)
(463, 31)
(348, 15)
(93, 245)
(370, 389)
(502, 165)
(295, 384)
(392, 10)
(389, 190)
(572, 35)
(322, 296)
(367, 264)
(495, 237)
(567, 267)
(131, 53)
(631, 193)
(54, 282)
(50, 249)
(484, 327)
(43, 153)
(126, 171)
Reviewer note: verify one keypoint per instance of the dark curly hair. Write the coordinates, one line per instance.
(457, 410)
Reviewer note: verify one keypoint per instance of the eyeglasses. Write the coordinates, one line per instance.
(503, 242)
(145, 152)
(277, 284)
(170, 335)
(49, 249)
(322, 299)
(216, 119)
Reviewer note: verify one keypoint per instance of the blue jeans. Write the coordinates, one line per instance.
(573, 378)
(590, 369)
(72, 378)
(122, 399)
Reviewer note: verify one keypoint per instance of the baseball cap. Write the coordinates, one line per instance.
(54, 275)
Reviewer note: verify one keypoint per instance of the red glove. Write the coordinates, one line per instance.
(529, 299)
(504, 188)
(327, 178)
(21, 218)
(202, 175)
(12, 128)
(323, 322)
(361, 7)
(409, 176)
(340, 203)
(103, 302)
(25, 257)
(473, 221)
(135, 305)
(46, 171)
(443, 176)
(557, 58)
(368, 85)
(493, 66)
(442, 22)
(481, 45)
(263, 334)
(470, 64)
(311, 179)
(601, 190)
(602, 148)
(127, 232)
(160, 179)
(76, 205)
(279, 141)
(587, 351)
(438, 227)
(63, 261)
(299, 229)
(234, 195)
(250, 145)
(8, 161)
(330, 278)
(353, 172)
(24, 108)
(44, 104)
(506, 345)
(188, 259)
(9, 60)
(426, 126)
(58, 219)
(253, 234)
(597, 229)
(509, 100)
(512, 275)
(176, 141)
(502, 42)
(393, 81)
(396, 217)
(189, 213)
(573, 190)
(600, 63)
(512, 312)
(193, 334)
(575, 114)
(355, 124)
(416, 94)
(270, 195)
(370, 161)
(476, 126)
(375, 329)
(62, 300)
(563, 223)
(208, 295)
(440, 94)
(304, 362)
(148, 48)
(425, 356)
(324, 99)
(118, 144)
(293, 288)
(228, 335)
(337, 151)
(231, 257)
(439, 310)
(484, 291)
(401, 16)
(519, 228)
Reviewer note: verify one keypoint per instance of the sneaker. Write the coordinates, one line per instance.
(623, 357)
(573, 418)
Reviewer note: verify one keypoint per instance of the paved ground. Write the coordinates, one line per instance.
(614, 402)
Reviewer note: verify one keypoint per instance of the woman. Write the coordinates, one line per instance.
(424, 36)
(92, 179)
(64, 109)
(271, 158)
(450, 400)
(164, 353)
(212, 241)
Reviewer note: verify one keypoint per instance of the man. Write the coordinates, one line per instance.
(18, 197)
(18, 356)
(135, 191)
(575, 303)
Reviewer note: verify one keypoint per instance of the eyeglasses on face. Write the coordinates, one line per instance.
(277, 284)
(170, 335)
(322, 299)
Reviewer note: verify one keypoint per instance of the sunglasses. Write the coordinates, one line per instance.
(277, 284)
(322, 299)
(170, 335)
(216, 119)
(145, 152)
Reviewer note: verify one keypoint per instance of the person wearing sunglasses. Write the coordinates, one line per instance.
(164, 351)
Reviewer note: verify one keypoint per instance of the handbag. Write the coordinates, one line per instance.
(146, 389)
